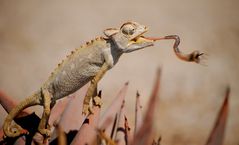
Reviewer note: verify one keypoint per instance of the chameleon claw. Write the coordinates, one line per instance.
(97, 101)
(45, 132)
(87, 110)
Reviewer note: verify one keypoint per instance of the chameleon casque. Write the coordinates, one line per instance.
(86, 64)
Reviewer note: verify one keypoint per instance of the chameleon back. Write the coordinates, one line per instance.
(77, 70)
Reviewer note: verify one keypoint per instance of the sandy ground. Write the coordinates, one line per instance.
(36, 35)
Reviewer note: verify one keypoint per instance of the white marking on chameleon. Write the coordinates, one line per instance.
(108, 57)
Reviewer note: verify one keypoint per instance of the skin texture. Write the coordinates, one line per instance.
(86, 64)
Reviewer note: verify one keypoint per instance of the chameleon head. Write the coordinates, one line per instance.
(129, 37)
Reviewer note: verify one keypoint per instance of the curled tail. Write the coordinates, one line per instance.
(16, 130)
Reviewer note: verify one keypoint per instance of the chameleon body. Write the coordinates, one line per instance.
(79, 69)
(87, 64)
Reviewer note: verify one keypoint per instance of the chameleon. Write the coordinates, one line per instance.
(88, 63)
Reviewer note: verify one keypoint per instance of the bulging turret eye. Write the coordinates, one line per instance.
(128, 29)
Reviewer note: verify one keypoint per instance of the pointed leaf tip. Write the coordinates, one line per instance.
(228, 90)
(217, 134)
(127, 83)
(137, 94)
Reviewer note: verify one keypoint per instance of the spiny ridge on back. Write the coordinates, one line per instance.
(88, 43)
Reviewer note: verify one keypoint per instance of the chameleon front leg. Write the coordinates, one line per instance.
(92, 87)
(43, 127)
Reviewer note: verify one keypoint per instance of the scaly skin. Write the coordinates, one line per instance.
(86, 64)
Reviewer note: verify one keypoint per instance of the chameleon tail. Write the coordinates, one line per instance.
(16, 130)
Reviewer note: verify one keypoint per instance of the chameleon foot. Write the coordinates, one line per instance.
(45, 132)
(87, 109)
(97, 101)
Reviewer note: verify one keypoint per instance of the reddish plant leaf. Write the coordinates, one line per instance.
(8, 103)
(106, 121)
(216, 136)
(145, 134)
(88, 133)
(72, 117)
(57, 111)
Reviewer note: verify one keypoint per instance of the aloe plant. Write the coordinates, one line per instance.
(111, 128)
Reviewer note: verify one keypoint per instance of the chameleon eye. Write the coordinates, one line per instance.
(128, 29)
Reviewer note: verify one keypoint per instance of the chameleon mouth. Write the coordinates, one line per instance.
(141, 39)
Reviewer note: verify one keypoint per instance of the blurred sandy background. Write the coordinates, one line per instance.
(36, 35)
